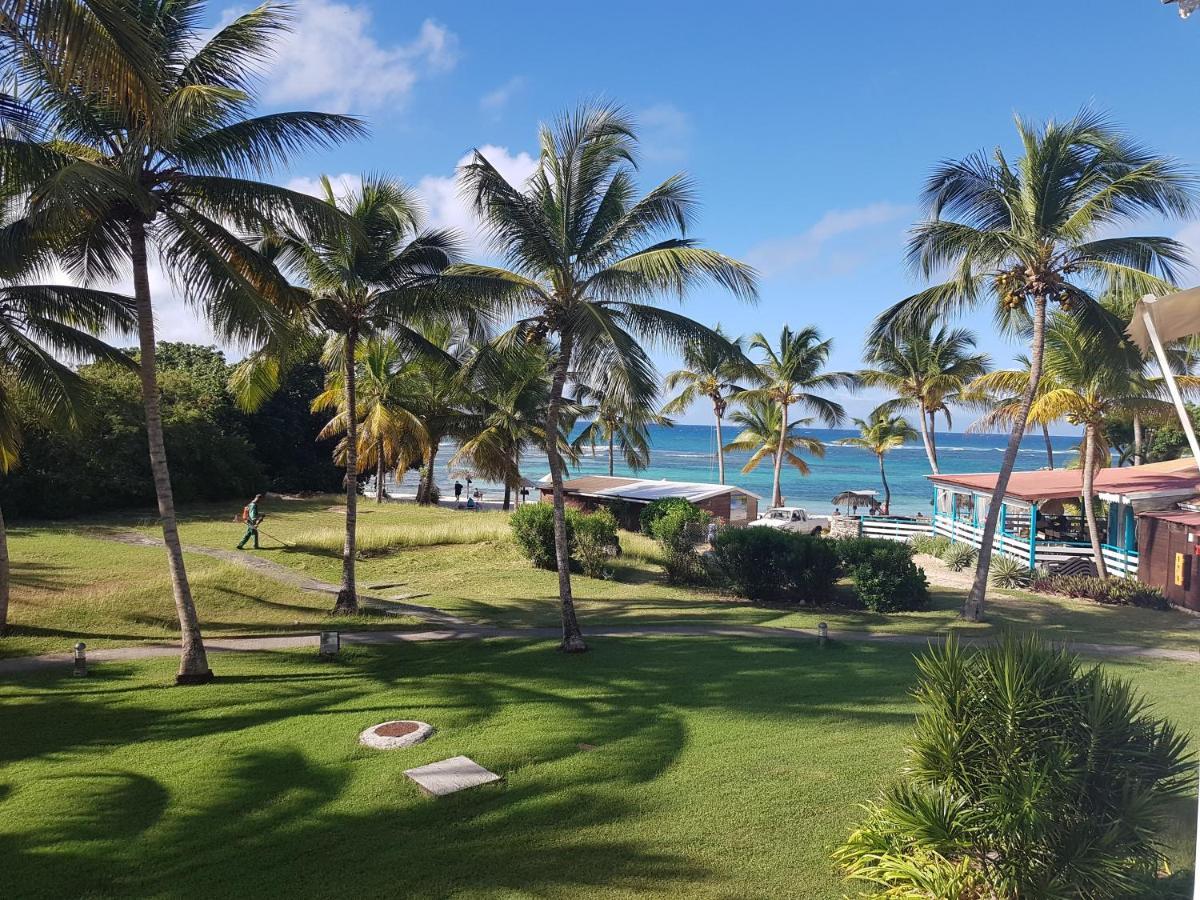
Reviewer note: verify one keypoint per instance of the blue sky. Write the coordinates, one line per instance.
(808, 127)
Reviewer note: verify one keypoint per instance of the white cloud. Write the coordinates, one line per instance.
(331, 59)
(494, 102)
(780, 255)
(345, 183)
(665, 133)
(449, 209)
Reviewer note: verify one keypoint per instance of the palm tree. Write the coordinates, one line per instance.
(1085, 381)
(765, 435)
(1001, 410)
(711, 372)
(788, 374)
(163, 155)
(389, 435)
(925, 370)
(39, 324)
(583, 257)
(370, 274)
(881, 433)
(617, 421)
(1036, 232)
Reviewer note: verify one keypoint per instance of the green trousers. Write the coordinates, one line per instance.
(251, 532)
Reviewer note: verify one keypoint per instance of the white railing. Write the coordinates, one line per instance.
(1117, 561)
(894, 529)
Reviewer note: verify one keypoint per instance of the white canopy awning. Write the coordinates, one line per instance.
(1174, 316)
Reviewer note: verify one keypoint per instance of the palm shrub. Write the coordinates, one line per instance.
(1109, 591)
(1027, 776)
(958, 556)
(929, 544)
(594, 540)
(1010, 573)
(678, 531)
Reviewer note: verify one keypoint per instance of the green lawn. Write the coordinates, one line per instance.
(722, 768)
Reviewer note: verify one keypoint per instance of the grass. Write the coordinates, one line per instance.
(721, 768)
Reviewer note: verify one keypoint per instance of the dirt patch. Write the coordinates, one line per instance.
(396, 729)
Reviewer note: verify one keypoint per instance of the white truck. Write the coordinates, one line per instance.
(792, 518)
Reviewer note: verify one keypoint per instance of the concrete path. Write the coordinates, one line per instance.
(62, 661)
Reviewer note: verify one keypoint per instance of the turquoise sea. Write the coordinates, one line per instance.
(688, 453)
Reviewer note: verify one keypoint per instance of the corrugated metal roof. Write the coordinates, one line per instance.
(1181, 516)
(644, 490)
(1176, 476)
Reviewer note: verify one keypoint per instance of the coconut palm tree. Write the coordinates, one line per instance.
(1085, 381)
(1037, 231)
(880, 434)
(39, 325)
(165, 157)
(389, 435)
(1000, 410)
(370, 272)
(584, 259)
(925, 370)
(713, 373)
(616, 421)
(765, 435)
(788, 374)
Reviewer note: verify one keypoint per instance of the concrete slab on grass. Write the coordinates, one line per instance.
(450, 775)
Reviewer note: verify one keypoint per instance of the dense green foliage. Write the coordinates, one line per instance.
(679, 530)
(885, 576)
(594, 540)
(1009, 572)
(655, 509)
(1027, 776)
(929, 544)
(216, 451)
(855, 551)
(773, 564)
(1114, 591)
(533, 530)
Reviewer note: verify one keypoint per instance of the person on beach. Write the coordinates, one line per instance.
(457, 492)
(251, 517)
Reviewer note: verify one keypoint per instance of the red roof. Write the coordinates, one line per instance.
(1181, 516)
(1176, 476)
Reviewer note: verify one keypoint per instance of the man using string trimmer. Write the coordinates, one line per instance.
(251, 517)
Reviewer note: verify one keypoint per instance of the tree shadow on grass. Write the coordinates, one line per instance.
(39, 575)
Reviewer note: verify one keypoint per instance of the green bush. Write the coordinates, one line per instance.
(854, 551)
(959, 556)
(1109, 591)
(678, 531)
(1019, 746)
(930, 544)
(1008, 572)
(594, 541)
(656, 509)
(769, 564)
(533, 530)
(888, 582)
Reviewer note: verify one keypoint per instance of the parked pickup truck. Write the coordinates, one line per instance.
(792, 518)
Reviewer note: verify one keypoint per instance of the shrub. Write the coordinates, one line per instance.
(854, 551)
(1060, 765)
(656, 509)
(767, 563)
(930, 544)
(678, 531)
(1114, 591)
(959, 556)
(1008, 572)
(533, 530)
(594, 540)
(888, 582)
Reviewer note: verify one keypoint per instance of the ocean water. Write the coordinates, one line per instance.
(688, 453)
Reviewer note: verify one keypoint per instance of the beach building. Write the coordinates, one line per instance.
(626, 497)
(1144, 517)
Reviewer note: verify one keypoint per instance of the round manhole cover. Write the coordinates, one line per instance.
(396, 733)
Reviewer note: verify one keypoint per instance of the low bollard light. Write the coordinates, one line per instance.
(822, 633)
(81, 659)
(331, 642)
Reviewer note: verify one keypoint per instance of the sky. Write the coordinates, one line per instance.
(808, 128)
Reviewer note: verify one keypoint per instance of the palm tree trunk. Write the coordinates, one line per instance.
(927, 439)
(610, 452)
(1137, 439)
(1049, 445)
(193, 661)
(776, 489)
(572, 636)
(933, 435)
(507, 496)
(720, 447)
(1089, 490)
(379, 473)
(973, 607)
(4, 577)
(347, 596)
(887, 490)
(425, 489)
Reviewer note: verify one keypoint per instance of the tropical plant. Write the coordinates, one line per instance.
(764, 435)
(712, 372)
(1010, 573)
(678, 530)
(1000, 409)
(1035, 232)
(788, 375)
(583, 257)
(1027, 775)
(959, 556)
(880, 434)
(144, 139)
(38, 324)
(367, 270)
(925, 370)
(595, 541)
(617, 420)
(1087, 377)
